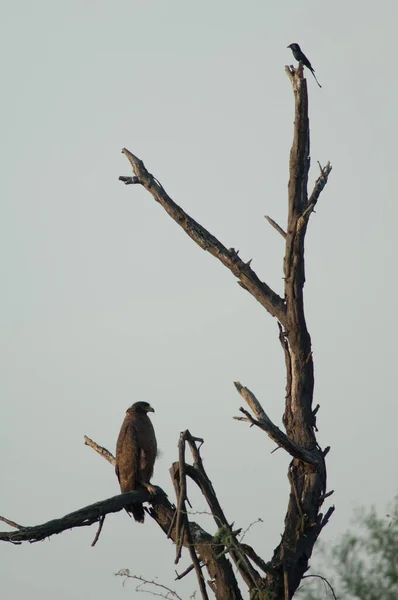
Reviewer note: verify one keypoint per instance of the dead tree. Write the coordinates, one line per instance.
(278, 578)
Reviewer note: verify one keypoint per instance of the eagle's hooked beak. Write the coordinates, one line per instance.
(150, 409)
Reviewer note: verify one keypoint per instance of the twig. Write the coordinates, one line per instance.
(324, 581)
(323, 498)
(128, 180)
(245, 531)
(11, 523)
(180, 542)
(188, 570)
(84, 517)
(100, 449)
(126, 573)
(100, 526)
(276, 226)
(318, 406)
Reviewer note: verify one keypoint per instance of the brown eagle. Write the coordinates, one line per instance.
(136, 453)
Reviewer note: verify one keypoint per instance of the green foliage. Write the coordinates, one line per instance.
(363, 565)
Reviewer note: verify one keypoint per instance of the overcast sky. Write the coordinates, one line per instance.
(106, 301)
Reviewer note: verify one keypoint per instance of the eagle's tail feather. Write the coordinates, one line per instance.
(138, 512)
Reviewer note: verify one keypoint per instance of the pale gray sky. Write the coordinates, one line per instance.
(106, 301)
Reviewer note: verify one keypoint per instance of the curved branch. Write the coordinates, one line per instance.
(325, 581)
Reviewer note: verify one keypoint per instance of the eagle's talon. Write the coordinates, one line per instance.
(150, 489)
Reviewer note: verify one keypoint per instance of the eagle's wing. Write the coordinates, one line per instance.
(128, 457)
(149, 451)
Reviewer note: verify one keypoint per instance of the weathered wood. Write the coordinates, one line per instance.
(229, 257)
(84, 517)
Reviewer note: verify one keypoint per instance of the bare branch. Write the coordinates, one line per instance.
(319, 184)
(11, 523)
(188, 570)
(102, 451)
(84, 517)
(276, 226)
(169, 593)
(265, 423)
(100, 526)
(325, 581)
(273, 303)
(322, 498)
(245, 531)
(327, 516)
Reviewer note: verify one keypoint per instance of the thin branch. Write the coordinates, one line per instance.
(100, 449)
(188, 570)
(172, 523)
(100, 526)
(273, 303)
(276, 226)
(324, 581)
(245, 531)
(319, 184)
(265, 423)
(11, 523)
(324, 496)
(126, 573)
(196, 564)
